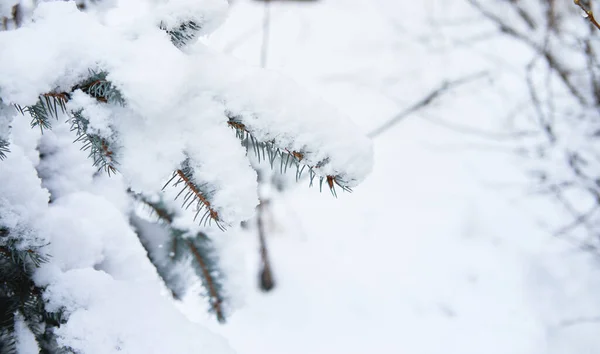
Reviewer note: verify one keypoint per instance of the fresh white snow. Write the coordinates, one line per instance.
(442, 249)
(175, 103)
(439, 250)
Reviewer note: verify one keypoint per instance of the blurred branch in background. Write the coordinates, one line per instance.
(562, 80)
(266, 279)
(264, 48)
(424, 102)
(14, 21)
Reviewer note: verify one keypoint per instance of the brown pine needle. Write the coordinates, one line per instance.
(63, 96)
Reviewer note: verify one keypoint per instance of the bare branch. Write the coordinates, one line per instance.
(264, 49)
(588, 13)
(425, 101)
(579, 221)
(551, 59)
(578, 321)
(537, 104)
(267, 281)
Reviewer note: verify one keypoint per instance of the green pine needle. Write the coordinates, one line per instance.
(48, 106)
(184, 34)
(100, 88)
(182, 246)
(100, 150)
(3, 149)
(19, 294)
(269, 151)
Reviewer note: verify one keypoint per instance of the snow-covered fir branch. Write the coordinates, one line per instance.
(122, 97)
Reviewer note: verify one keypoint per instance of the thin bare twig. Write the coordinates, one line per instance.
(529, 21)
(264, 52)
(557, 192)
(537, 104)
(588, 12)
(578, 321)
(580, 220)
(467, 130)
(267, 281)
(425, 101)
(550, 57)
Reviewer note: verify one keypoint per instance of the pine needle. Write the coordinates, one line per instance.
(215, 300)
(100, 88)
(287, 158)
(181, 246)
(99, 148)
(184, 34)
(46, 107)
(3, 149)
(193, 195)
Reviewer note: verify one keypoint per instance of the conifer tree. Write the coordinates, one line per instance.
(124, 146)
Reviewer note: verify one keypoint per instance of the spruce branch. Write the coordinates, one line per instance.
(99, 148)
(100, 88)
(8, 338)
(47, 107)
(160, 241)
(184, 34)
(20, 295)
(51, 104)
(194, 196)
(159, 209)
(285, 158)
(23, 257)
(199, 248)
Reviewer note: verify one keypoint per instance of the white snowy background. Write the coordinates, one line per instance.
(443, 249)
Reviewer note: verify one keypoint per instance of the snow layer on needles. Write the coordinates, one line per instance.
(102, 307)
(21, 197)
(98, 272)
(211, 13)
(176, 102)
(281, 110)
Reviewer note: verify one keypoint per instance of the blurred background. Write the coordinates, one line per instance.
(477, 230)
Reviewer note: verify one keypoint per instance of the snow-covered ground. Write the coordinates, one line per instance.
(441, 250)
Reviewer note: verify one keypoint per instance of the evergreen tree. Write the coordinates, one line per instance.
(137, 160)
